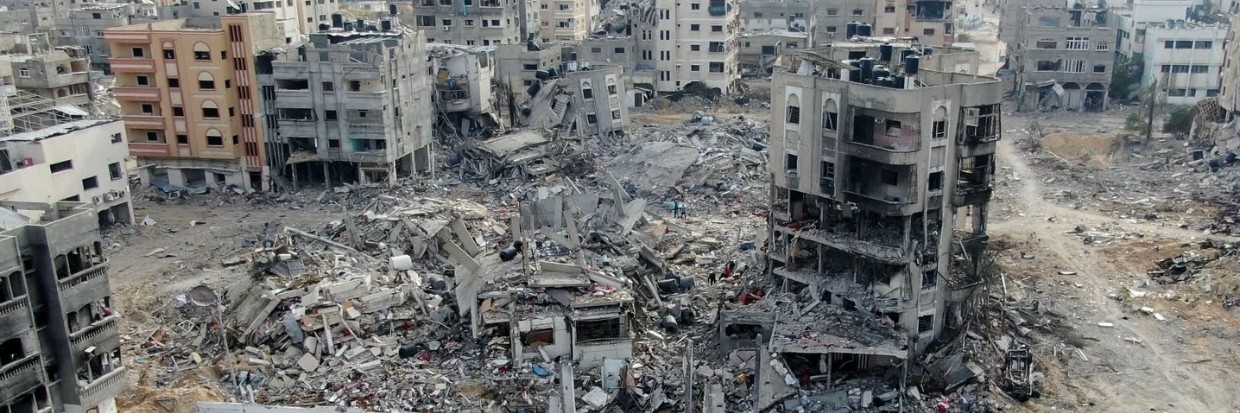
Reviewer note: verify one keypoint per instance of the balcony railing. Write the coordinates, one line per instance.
(13, 306)
(95, 332)
(106, 386)
(85, 276)
(20, 374)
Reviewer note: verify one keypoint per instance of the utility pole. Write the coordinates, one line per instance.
(1149, 124)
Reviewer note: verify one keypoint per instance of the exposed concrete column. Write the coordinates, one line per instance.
(392, 173)
(327, 176)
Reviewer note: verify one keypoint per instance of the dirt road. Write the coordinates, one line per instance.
(1140, 363)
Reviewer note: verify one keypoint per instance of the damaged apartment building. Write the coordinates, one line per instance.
(59, 335)
(1062, 54)
(559, 299)
(352, 105)
(586, 100)
(875, 163)
(464, 99)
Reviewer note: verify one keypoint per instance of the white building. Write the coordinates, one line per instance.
(1185, 59)
(80, 160)
(692, 41)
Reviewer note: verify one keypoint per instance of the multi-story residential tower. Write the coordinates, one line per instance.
(875, 161)
(566, 20)
(188, 94)
(1062, 55)
(58, 332)
(350, 106)
(691, 42)
(471, 22)
(1185, 57)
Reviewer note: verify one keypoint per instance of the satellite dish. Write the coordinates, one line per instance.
(203, 296)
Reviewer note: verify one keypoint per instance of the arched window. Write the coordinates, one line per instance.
(206, 81)
(202, 51)
(939, 127)
(214, 137)
(793, 110)
(830, 115)
(587, 91)
(210, 110)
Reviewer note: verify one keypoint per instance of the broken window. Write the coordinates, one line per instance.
(790, 163)
(890, 177)
(586, 91)
(610, 328)
(939, 129)
(936, 181)
(11, 350)
(1048, 66)
(929, 279)
(538, 338)
(830, 116)
(591, 118)
(794, 115)
(716, 67)
(615, 114)
(1100, 68)
(1047, 44)
(925, 323)
(828, 178)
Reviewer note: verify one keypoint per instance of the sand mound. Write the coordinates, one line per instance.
(1089, 150)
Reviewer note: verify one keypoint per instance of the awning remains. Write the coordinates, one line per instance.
(71, 110)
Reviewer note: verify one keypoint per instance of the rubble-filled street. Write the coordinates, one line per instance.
(1120, 290)
(630, 274)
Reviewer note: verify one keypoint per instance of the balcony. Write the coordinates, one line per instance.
(293, 94)
(15, 315)
(454, 100)
(104, 387)
(132, 65)
(139, 93)
(297, 128)
(365, 100)
(790, 181)
(972, 194)
(889, 156)
(882, 204)
(144, 121)
(367, 131)
(877, 251)
(103, 334)
(377, 156)
(91, 279)
(155, 149)
(20, 376)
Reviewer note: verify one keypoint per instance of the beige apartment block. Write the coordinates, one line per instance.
(930, 21)
(691, 43)
(188, 94)
(565, 20)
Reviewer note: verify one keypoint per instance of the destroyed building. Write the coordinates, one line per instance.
(874, 160)
(61, 340)
(760, 50)
(1185, 57)
(522, 68)
(463, 97)
(349, 106)
(1062, 55)
(587, 100)
(60, 74)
